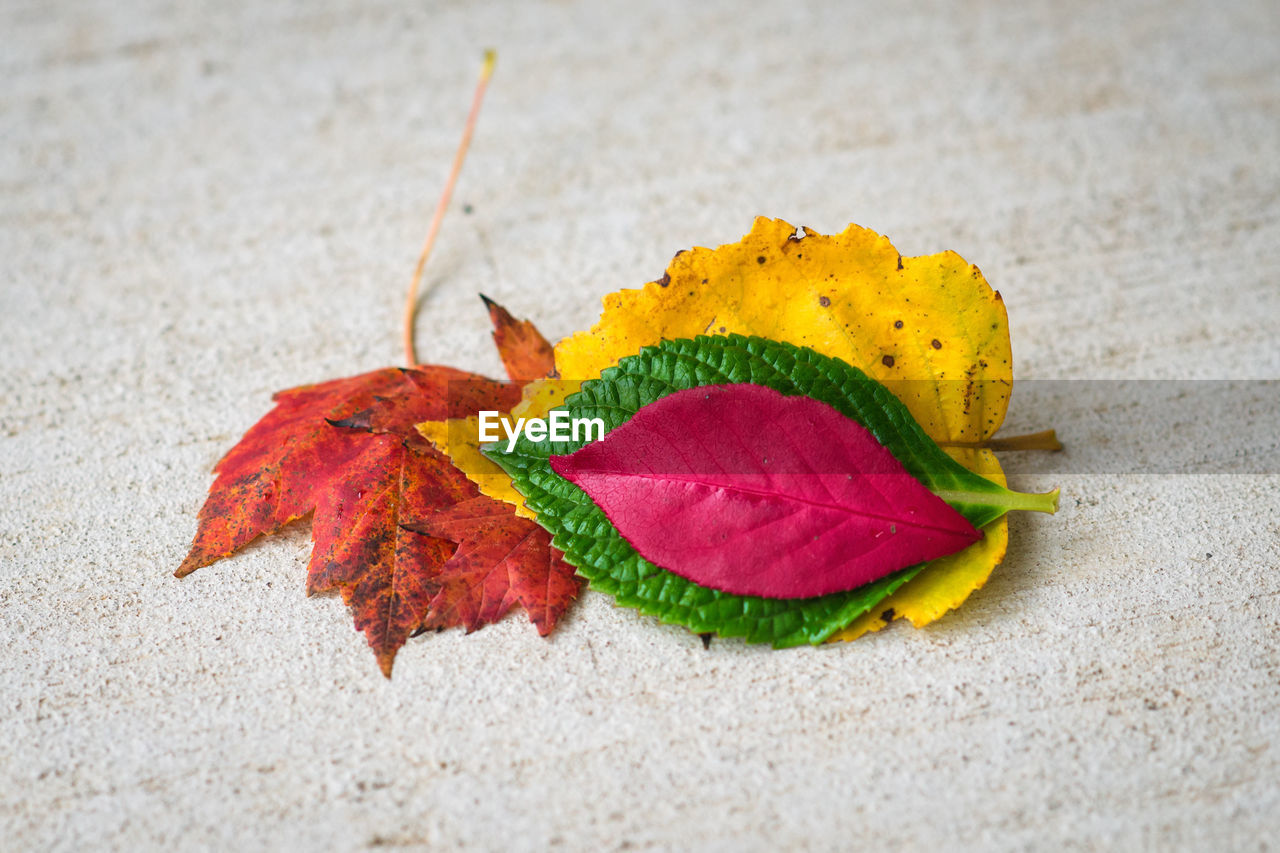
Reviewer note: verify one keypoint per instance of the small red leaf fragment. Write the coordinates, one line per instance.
(526, 354)
(745, 490)
(501, 560)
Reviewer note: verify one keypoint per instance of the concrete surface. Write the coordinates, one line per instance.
(202, 206)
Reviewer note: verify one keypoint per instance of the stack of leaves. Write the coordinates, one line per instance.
(796, 448)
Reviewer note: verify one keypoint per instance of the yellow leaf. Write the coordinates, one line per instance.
(930, 328)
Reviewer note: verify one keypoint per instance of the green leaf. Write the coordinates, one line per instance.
(590, 542)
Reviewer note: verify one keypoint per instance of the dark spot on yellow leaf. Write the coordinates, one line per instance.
(760, 260)
(824, 301)
(899, 261)
(722, 330)
(897, 324)
(936, 344)
(665, 280)
(887, 615)
(887, 361)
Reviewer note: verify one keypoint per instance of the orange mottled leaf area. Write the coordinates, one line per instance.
(345, 452)
(502, 560)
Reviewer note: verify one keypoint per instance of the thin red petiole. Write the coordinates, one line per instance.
(411, 300)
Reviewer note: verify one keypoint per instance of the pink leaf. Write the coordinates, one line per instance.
(742, 489)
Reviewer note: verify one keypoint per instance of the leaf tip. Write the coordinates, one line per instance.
(194, 560)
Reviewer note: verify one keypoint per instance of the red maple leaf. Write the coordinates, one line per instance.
(346, 451)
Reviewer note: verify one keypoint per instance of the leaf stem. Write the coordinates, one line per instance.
(1043, 440)
(1007, 499)
(411, 300)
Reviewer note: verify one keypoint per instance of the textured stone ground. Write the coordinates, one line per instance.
(200, 207)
